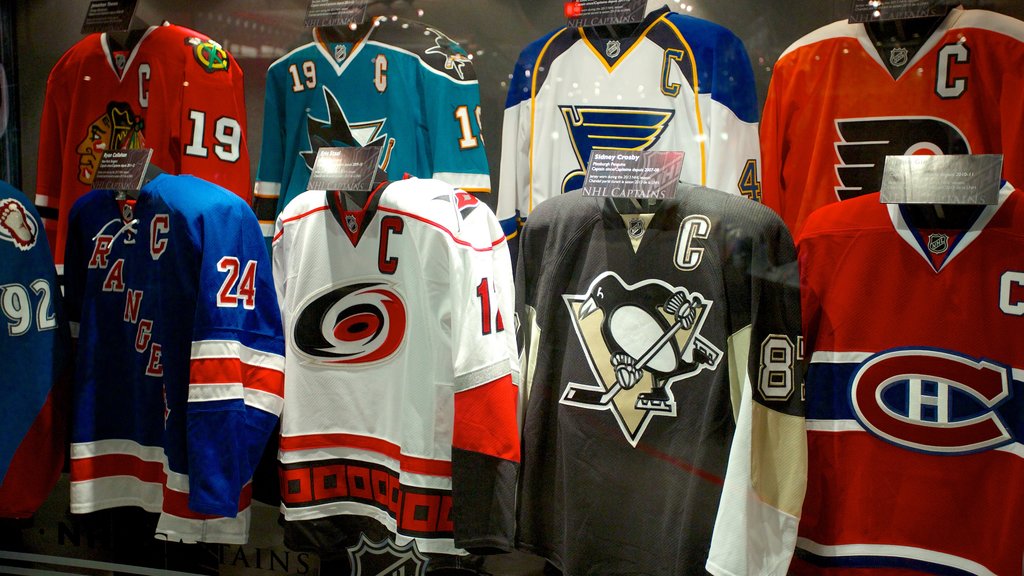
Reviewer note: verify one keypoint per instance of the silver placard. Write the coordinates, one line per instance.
(953, 179)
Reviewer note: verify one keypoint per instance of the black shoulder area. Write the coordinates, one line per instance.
(433, 47)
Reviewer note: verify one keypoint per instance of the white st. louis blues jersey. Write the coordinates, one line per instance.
(679, 84)
(404, 87)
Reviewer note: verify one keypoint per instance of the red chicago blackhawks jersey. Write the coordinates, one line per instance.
(176, 91)
(834, 109)
(401, 371)
(915, 393)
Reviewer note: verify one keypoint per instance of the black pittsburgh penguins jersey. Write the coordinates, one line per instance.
(664, 425)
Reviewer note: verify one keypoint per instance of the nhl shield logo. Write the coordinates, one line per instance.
(636, 228)
(385, 558)
(613, 48)
(340, 52)
(899, 57)
(350, 223)
(640, 341)
(938, 243)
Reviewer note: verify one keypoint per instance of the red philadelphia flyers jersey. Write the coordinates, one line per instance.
(915, 392)
(176, 91)
(834, 110)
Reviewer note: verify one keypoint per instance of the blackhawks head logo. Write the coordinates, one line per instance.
(639, 340)
(119, 128)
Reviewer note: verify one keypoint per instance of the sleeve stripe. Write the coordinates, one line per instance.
(217, 371)
(485, 419)
(213, 392)
(42, 201)
(265, 189)
(212, 349)
(445, 230)
(265, 401)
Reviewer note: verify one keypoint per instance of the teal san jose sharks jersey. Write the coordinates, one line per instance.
(404, 86)
(677, 83)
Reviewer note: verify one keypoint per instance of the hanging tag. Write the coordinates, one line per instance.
(586, 13)
(632, 174)
(335, 12)
(878, 10)
(348, 168)
(109, 16)
(953, 179)
(122, 170)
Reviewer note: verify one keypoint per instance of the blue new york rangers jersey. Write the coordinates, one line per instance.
(33, 350)
(677, 84)
(404, 86)
(178, 379)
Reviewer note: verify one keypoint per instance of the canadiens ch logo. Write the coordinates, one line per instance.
(609, 128)
(335, 131)
(356, 323)
(899, 57)
(938, 243)
(932, 401)
(386, 558)
(17, 226)
(865, 142)
(640, 340)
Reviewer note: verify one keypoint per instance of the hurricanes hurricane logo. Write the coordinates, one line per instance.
(117, 129)
(16, 225)
(639, 341)
(865, 142)
(351, 324)
(934, 401)
(455, 57)
(336, 132)
(385, 558)
(609, 128)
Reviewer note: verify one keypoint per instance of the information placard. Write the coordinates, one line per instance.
(122, 169)
(604, 12)
(345, 168)
(879, 10)
(952, 179)
(109, 16)
(335, 12)
(633, 174)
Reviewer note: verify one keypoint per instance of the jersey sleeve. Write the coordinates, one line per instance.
(773, 145)
(733, 149)
(236, 380)
(270, 174)
(756, 526)
(213, 122)
(50, 161)
(452, 110)
(485, 439)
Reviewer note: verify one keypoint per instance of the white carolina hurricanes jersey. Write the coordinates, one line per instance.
(835, 108)
(679, 83)
(401, 370)
(915, 392)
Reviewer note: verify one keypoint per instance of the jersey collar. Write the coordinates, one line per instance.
(592, 39)
(919, 244)
(321, 44)
(355, 222)
(105, 44)
(862, 36)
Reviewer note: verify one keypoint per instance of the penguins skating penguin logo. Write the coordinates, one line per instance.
(639, 340)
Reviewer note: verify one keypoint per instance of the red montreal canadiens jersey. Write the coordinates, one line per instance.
(178, 377)
(177, 92)
(834, 111)
(34, 352)
(915, 393)
(401, 371)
